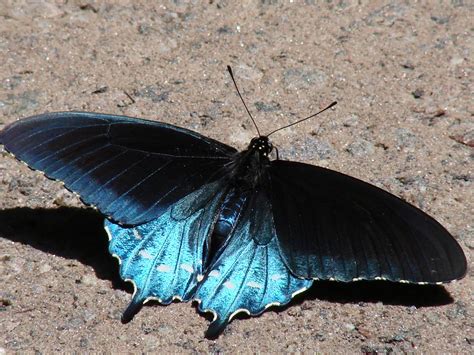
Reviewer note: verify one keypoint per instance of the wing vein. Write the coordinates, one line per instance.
(54, 137)
(87, 172)
(66, 147)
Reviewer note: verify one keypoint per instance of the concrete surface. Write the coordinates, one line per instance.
(402, 75)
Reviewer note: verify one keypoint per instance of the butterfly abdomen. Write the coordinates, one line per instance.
(229, 214)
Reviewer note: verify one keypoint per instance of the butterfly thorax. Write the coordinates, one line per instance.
(249, 167)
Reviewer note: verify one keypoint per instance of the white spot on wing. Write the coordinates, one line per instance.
(200, 277)
(214, 273)
(240, 310)
(145, 254)
(276, 277)
(109, 235)
(163, 268)
(298, 292)
(187, 267)
(254, 284)
(272, 304)
(152, 298)
(136, 234)
(229, 284)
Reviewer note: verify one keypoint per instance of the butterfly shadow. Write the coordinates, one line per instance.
(72, 233)
(77, 233)
(387, 292)
(363, 293)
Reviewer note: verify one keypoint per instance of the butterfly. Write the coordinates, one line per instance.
(191, 218)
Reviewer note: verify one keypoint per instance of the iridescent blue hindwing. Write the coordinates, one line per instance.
(249, 274)
(163, 258)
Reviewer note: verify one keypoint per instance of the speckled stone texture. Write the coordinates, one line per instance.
(402, 75)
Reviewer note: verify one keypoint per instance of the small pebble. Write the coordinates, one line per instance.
(440, 20)
(100, 90)
(469, 243)
(164, 329)
(408, 65)
(406, 139)
(360, 148)
(456, 60)
(115, 314)
(310, 148)
(418, 93)
(151, 343)
(26, 101)
(351, 121)
(144, 29)
(44, 268)
(319, 337)
(349, 326)
(224, 30)
(303, 78)
(294, 311)
(432, 318)
(245, 72)
(464, 138)
(74, 323)
(457, 311)
(88, 280)
(83, 343)
(267, 107)
(154, 93)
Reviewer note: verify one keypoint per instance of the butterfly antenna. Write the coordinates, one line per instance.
(241, 98)
(304, 119)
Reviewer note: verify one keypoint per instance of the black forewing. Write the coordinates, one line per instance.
(130, 169)
(332, 226)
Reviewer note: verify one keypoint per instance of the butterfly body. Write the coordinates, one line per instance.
(230, 211)
(191, 218)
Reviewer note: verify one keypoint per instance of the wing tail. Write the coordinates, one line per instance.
(249, 274)
(164, 257)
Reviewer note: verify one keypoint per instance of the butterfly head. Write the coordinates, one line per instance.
(262, 145)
